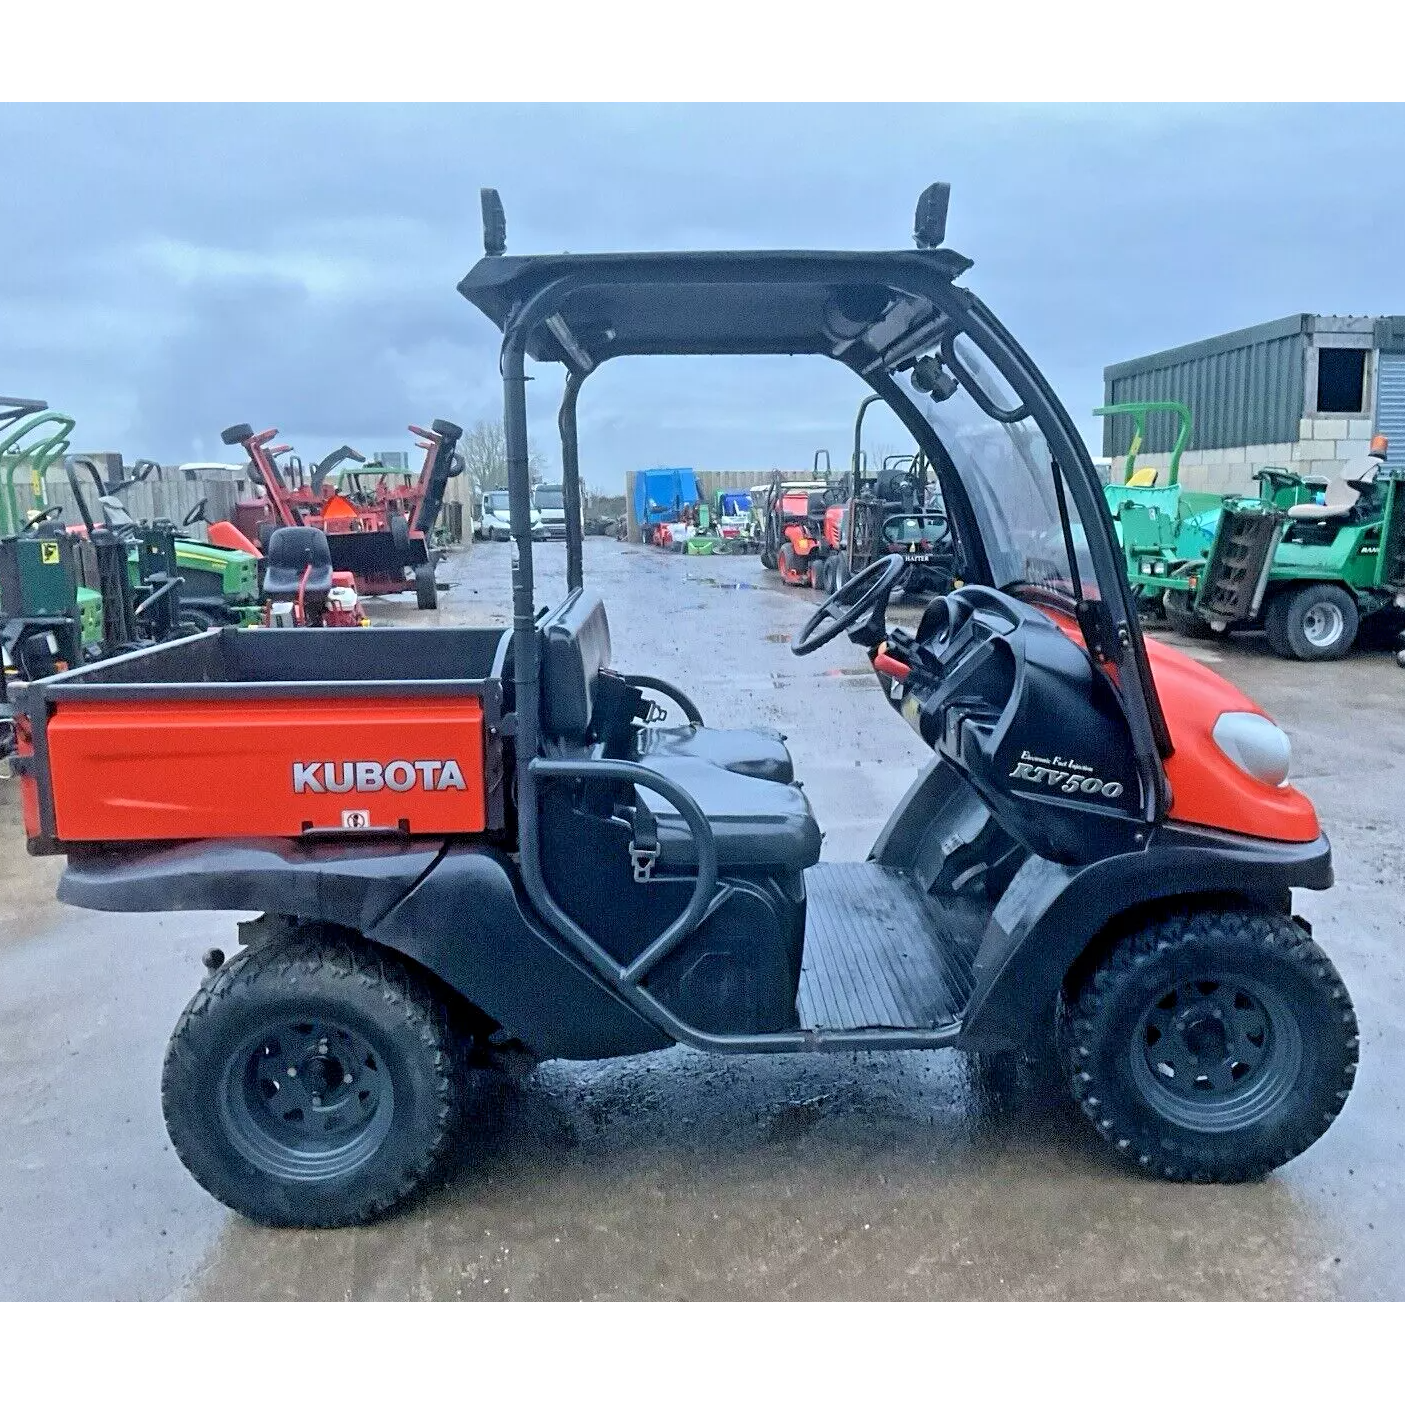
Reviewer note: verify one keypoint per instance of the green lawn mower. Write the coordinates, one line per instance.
(31, 437)
(219, 585)
(1309, 573)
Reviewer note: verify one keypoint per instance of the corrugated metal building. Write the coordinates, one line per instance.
(1304, 392)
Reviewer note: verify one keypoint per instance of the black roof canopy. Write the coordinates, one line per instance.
(860, 307)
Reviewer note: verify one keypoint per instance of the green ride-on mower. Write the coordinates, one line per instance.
(504, 851)
(1158, 524)
(67, 599)
(39, 594)
(219, 584)
(1309, 573)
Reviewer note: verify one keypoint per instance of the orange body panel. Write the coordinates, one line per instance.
(227, 535)
(1206, 786)
(127, 771)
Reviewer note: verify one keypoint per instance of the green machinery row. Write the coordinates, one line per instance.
(1308, 560)
(68, 595)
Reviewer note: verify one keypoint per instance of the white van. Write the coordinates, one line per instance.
(497, 518)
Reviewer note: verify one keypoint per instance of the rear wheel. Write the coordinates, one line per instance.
(426, 589)
(314, 1082)
(1183, 621)
(1211, 1046)
(1317, 622)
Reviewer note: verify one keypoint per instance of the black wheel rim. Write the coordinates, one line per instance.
(1217, 1054)
(307, 1100)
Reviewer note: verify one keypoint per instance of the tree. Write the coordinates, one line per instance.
(484, 450)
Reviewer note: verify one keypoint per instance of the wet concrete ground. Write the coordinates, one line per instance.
(679, 1175)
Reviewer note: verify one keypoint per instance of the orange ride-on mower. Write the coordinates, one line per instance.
(498, 850)
(300, 588)
(795, 541)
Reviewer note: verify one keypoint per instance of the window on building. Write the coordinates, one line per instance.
(1341, 380)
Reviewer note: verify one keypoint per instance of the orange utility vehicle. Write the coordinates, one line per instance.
(474, 843)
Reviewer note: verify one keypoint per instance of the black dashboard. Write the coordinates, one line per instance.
(998, 689)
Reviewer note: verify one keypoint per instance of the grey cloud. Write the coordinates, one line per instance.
(173, 269)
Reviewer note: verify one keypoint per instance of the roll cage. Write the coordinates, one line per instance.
(874, 312)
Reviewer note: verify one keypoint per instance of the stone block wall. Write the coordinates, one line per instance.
(1325, 446)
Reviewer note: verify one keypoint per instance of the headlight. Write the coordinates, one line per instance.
(1258, 747)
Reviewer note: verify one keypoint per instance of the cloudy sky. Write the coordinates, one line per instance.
(168, 270)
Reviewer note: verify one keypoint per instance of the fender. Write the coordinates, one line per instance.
(455, 908)
(1049, 913)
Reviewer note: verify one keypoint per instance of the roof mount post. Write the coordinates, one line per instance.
(571, 478)
(494, 222)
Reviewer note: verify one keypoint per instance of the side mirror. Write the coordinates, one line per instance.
(929, 225)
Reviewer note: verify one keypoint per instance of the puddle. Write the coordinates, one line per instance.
(719, 585)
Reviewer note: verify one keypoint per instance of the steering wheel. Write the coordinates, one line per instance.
(858, 596)
(55, 511)
(196, 514)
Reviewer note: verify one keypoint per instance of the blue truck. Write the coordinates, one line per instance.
(660, 494)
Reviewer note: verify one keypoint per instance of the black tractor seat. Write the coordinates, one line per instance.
(584, 703)
(299, 564)
(756, 823)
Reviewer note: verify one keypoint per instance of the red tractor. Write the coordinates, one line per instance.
(383, 537)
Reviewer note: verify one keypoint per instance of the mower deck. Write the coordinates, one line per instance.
(879, 954)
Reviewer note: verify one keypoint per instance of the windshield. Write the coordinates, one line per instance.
(1008, 474)
(549, 499)
(910, 530)
(498, 502)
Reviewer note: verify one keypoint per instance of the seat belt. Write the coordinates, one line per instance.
(618, 705)
(644, 846)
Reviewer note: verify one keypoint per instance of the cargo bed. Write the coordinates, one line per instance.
(258, 733)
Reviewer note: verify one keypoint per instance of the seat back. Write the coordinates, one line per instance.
(1341, 492)
(575, 646)
(299, 561)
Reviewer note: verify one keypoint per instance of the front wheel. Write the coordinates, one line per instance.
(199, 618)
(314, 1082)
(1211, 1045)
(1182, 620)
